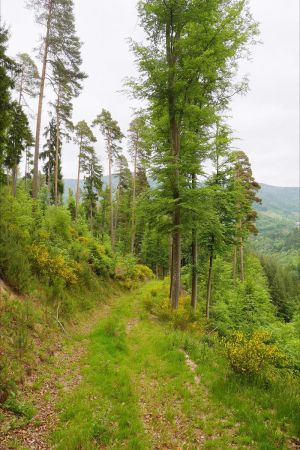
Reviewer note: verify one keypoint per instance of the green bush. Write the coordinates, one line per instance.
(254, 355)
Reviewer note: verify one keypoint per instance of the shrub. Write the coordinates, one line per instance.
(100, 259)
(52, 266)
(182, 318)
(254, 355)
(142, 273)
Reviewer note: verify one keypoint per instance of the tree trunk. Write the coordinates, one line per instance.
(156, 270)
(176, 260)
(234, 265)
(194, 269)
(175, 151)
(91, 219)
(112, 231)
(21, 88)
(14, 176)
(242, 260)
(116, 211)
(35, 180)
(133, 225)
(194, 258)
(170, 265)
(57, 149)
(49, 182)
(78, 184)
(209, 285)
(26, 168)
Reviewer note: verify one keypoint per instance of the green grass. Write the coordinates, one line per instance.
(137, 392)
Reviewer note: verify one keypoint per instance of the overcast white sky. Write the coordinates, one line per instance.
(266, 120)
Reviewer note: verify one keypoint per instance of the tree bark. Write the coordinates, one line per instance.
(14, 176)
(194, 258)
(35, 180)
(242, 273)
(175, 151)
(112, 230)
(57, 150)
(209, 285)
(133, 225)
(170, 264)
(194, 269)
(78, 183)
(176, 246)
(21, 88)
(234, 265)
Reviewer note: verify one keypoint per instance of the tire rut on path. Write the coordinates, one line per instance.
(44, 388)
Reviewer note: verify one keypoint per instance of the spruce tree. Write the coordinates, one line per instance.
(92, 184)
(7, 68)
(19, 138)
(49, 156)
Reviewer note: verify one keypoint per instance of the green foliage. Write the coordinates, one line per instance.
(254, 355)
(284, 286)
(239, 306)
(16, 229)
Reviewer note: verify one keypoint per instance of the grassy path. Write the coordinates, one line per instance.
(129, 381)
(139, 391)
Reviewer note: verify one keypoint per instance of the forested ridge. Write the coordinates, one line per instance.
(156, 306)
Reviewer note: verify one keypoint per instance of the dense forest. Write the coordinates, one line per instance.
(156, 306)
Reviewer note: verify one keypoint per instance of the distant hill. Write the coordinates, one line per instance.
(282, 201)
(277, 202)
(71, 183)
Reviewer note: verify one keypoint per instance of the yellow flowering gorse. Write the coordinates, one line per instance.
(252, 355)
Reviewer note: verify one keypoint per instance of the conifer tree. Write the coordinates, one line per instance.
(92, 183)
(83, 138)
(113, 136)
(19, 138)
(139, 152)
(7, 67)
(245, 213)
(61, 48)
(123, 204)
(49, 155)
(27, 78)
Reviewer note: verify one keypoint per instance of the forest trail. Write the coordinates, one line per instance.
(125, 381)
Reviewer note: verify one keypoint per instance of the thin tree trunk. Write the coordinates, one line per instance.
(242, 260)
(26, 168)
(194, 258)
(112, 231)
(78, 182)
(57, 149)
(209, 285)
(234, 265)
(156, 270)
(49, 182)
(170, 264)
(14, 176)
(116, 211)
(91, 219)
(194, 269)
(176, 246)
(21, 88)
(133, 225)
(35, 180)
(175, 151)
